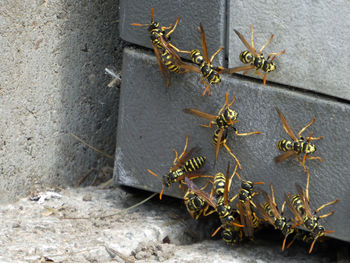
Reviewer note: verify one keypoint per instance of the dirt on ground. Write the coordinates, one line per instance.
(95, 225)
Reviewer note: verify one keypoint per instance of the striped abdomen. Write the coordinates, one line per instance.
(219, 184)
(167, 60)
(210, 73)
(193, 164)
(194, 203)
(246, 57)
(231, 234)
(299, 146)
(196, 57)
(298, 205)
(223, 137)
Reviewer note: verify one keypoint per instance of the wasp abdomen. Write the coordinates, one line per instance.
(285, 145)
(194, 164)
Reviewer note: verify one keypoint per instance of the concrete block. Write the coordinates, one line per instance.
(315, 34)
(212, 15)
(152, 123)
(53, 84)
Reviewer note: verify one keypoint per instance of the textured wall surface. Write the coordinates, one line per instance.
(152, 123)
(315, 35)
(212, 14)
(52, 83)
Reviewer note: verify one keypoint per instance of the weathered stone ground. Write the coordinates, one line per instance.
(32, 230)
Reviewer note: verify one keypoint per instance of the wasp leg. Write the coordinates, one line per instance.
(252, 203)
(302, 162)
(273, 195)
(308, 125)
(326, 215)
(268, 42)
(177, 158)
(234, 157)
(275, 55)
(207, 87)
(178, 50)
(314, 158)
(246, 133)
(233, 198)
(252, 36)
(315, 138)
(215, 53)
(205, 213)
(172, 27)
(307, 186)
(323, 206)
(210, 125)
(163, 28)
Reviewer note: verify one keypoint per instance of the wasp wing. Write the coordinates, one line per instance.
(201, 114)
(286, 126)
(249, 47)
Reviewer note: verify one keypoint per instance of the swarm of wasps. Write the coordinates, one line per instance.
(241, 219)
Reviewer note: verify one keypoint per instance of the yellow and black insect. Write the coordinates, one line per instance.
(197, 201)
(255, 59)
(299, 206)
(161, 45)
(247, 217)
(183, 166)
(225, 119)
(299, 145)
(204, 64)
(228, 215)
(270, 213)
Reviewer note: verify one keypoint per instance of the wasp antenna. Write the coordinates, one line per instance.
(152, 173)
(152, 14)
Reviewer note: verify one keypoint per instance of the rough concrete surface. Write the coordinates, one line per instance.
(32, 231)
(315, 35)
(152, 123)
(52, 83)
(212, 15)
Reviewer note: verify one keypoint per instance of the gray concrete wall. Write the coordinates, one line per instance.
(52, 83)
(151, 121)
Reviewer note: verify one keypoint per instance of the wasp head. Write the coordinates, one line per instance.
(231, 114)
(247, 185)
(319, 231)
(271, 67)
(310, 148)
(153, 25)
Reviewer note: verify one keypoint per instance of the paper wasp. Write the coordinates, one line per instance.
(228, 215)
(203, 63)
(225, 119)
(299, 206)
(255, 59)
(160, 39)
(270, 213)
(247, 217)
(183, 166)
(299, 145)
(197, 201)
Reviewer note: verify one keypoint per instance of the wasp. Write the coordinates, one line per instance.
(299, 145)
(255, 59)
(161, 39)
(203, 63)
(299, 206)
(247, 217)
(270, 213)
(183, 166)
(228, 215)
(225, 119)
(197, 202)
